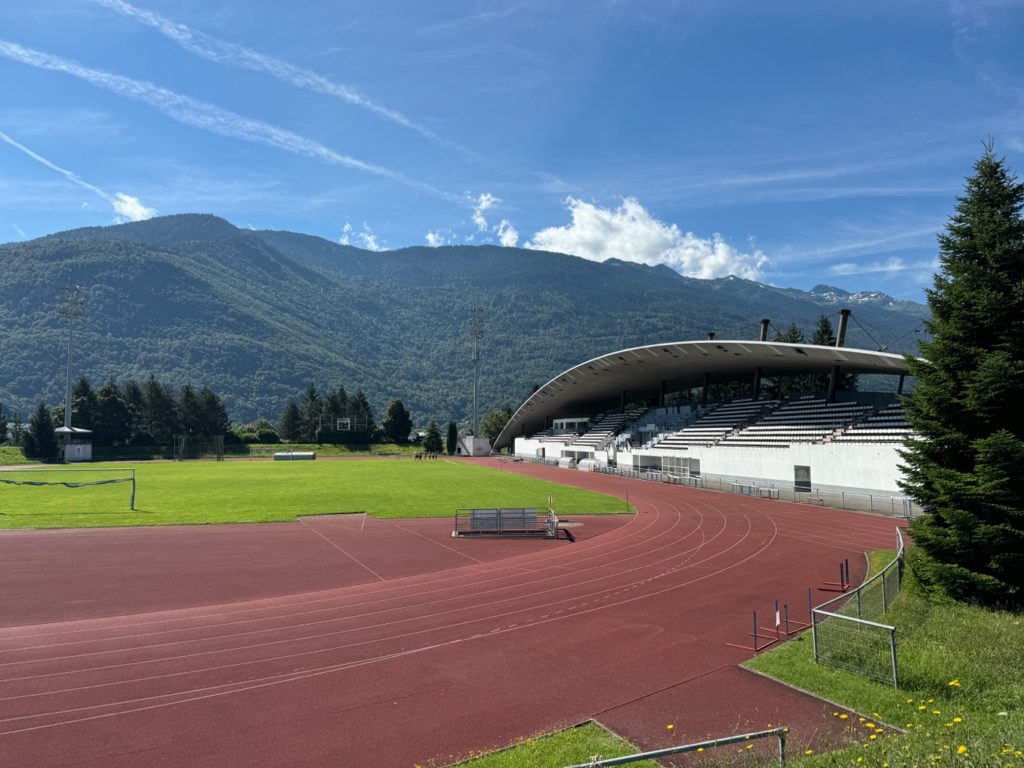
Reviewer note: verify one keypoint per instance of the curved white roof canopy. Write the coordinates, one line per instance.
(678, 366)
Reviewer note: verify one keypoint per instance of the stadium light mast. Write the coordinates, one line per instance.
(477, 332)
(71, 309)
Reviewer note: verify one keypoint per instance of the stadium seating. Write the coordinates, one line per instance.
(888, 425)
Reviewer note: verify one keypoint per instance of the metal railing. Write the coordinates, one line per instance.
(852, 500)
(843, 635)
(779, 733)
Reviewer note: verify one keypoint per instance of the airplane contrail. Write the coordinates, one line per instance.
(209, 117)
(224, 52)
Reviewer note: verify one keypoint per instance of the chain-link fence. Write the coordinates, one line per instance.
(846, 631)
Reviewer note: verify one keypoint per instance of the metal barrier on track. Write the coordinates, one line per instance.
(779, 733)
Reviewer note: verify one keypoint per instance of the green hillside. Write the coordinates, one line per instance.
(258, 315)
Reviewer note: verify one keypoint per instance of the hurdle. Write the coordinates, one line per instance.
(844, 579)
(758, 647)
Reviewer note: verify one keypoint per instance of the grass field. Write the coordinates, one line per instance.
(238, 491)
(569, 747)
(961, 701)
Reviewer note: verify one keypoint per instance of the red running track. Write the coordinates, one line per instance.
(630, 626)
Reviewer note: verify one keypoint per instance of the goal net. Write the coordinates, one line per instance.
(33, 492)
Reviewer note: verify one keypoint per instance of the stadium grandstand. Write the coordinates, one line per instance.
(767, 412)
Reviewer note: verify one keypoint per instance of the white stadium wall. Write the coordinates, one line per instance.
(861, 466)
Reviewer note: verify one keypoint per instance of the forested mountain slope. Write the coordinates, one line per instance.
(258, 315)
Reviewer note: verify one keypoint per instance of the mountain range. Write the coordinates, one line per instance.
(258, 315)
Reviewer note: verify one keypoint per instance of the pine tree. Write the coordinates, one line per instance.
(432, 441)
(40, 441)
(964, 465)
(113, 420)
(289, 426)
(312, 406)
(160, 412)
(452, 443)
(397, 423)
(84, 404)
(3, 425)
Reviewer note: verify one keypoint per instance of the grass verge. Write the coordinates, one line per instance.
(569, 747)
(233, 492)
(961, 701)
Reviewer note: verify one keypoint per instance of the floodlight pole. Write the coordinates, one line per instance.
(70, 308)
(477, 331)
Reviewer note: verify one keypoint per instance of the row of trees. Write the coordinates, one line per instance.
(127, 414)
(314, 414)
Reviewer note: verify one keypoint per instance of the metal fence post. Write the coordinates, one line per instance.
(814, 635)
(892, 648)
(782, 747)
(885, 595)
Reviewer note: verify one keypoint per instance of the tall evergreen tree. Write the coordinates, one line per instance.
(289, 426)
(39, 440)
(823, 336)
(213, 415)
(188, 411)
(361, 412)
(84, 404)
(335, 407)
(397, 423)
(311, 408)
(452, 443)
(964, 465)
(131, 394)
(3, 425)
(113, 423)
(432, 440)
(159, 412)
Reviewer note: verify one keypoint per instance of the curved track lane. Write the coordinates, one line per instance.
(428, 667)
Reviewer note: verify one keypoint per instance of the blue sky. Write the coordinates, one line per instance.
(793, 143)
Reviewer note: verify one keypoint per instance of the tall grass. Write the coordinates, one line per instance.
(961, 701)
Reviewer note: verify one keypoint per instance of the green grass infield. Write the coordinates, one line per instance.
(241, 492)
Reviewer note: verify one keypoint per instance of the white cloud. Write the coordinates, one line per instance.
(130, 208)
(630, 233)
(126, 207)
(507, 234)
(435, 239)
(891, 265)
(485, 202)
(20, 231)
(363, 238)
(208, 117)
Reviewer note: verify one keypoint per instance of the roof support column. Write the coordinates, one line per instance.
(899, 387)
(661, 396)
(755, 393)
(704, 391)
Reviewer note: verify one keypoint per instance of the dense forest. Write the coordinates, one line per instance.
(258, 316)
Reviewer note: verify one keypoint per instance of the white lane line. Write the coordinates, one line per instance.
(346, 554)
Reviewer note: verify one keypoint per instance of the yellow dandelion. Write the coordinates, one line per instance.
(922, 708)
(700, 749)
(961, 749)
(910, 701)
(808, 751)
(873, 736)
(958, 719)
(954, 683)
(936, 712)
(670, 726)
(750, 746)
(844, 716)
